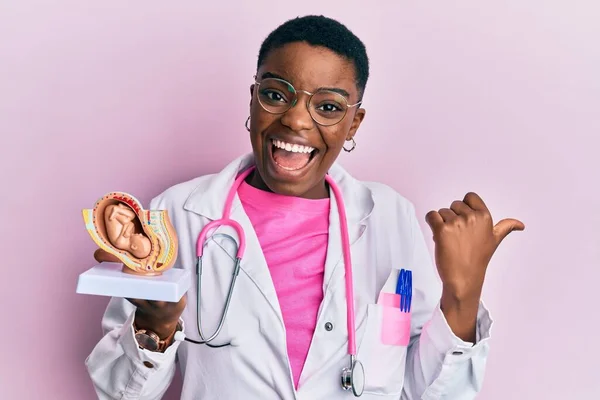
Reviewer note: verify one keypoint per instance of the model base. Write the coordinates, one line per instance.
(108, 279)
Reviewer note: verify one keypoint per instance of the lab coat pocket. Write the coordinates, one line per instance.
(383, 349)
(395, 323)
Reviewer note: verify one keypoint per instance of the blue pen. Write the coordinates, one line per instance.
(399, 285)
(400, 288)
(409, 290)
(399, 282)
(404, 289)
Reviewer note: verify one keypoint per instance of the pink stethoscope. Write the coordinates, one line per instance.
(353, 377)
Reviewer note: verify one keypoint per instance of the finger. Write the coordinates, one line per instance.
(475, 202)
(506, 226)
(104, 256)
(461, 208)
(434, 220)
(447, 214)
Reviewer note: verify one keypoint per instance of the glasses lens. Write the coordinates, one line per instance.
(328, 107)
(275, 95)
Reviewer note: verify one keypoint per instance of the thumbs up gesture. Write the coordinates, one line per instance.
(465, 239)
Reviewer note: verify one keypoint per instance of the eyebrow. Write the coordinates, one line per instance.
(333, 89)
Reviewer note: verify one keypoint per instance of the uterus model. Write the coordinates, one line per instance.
(144, 240)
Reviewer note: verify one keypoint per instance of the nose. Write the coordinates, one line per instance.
(297, 118)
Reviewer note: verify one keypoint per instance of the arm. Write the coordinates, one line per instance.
(448, 358)
(121, 213)
(440, 365)
(118, 368)
(128, 230)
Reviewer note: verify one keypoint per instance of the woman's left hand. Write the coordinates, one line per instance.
(465, 240)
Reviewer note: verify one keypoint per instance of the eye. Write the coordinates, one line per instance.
(273, 96)
(329, 107)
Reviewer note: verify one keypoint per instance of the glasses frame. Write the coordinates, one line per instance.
(310, 96)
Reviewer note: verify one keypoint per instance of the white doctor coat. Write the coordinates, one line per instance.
(384, 235)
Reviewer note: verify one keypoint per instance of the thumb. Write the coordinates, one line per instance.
(506, 226)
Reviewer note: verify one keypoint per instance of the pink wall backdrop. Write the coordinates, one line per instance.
(499, 97)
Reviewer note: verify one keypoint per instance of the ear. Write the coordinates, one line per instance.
(358, 118)
(251, 93)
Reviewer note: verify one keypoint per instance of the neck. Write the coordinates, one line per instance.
(319, 191)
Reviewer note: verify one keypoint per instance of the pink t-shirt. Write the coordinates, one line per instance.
(293, 234)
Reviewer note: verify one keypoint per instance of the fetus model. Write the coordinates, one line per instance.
(122, 232)
(144, 240)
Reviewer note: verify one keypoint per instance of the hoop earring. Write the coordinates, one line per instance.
(248, 120)
(351, 148)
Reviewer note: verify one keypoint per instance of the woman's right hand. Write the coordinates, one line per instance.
(160, 317)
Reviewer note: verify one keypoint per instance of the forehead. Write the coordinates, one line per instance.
(309, 67)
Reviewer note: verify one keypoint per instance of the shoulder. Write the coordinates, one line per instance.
(386, 199)
(201, 188)
(177, 195)
(393, 214)
(377, 197)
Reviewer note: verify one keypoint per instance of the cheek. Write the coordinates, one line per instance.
(259, 122)
(260, 119)
(335, 138)
(255, 111)
(256, 124)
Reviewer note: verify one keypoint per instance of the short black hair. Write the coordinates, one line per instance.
(318, 30)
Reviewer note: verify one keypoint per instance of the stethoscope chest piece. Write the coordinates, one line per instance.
(353, 377)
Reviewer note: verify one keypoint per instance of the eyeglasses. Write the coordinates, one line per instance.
(325, 106)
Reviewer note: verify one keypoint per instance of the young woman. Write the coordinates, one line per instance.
(288, 331)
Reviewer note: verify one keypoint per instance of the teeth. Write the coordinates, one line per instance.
(294, 148)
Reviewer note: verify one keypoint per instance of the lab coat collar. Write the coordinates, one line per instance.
(210, 203)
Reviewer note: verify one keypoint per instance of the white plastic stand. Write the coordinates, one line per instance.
(108, 279)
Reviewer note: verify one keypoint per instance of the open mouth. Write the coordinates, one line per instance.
(291, 157)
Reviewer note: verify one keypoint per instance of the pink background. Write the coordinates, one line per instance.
(499, 97)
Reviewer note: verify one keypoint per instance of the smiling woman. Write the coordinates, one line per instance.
(324, 250)
(321, 114)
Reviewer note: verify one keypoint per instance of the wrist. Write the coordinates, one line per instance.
(461, 314)
(150, 340)
(462, 291)
(163, 329)
(459, 305)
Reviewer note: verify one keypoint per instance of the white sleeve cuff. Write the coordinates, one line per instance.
(446, 342)
(141, 357)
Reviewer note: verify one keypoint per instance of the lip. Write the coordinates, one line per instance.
(281, 173)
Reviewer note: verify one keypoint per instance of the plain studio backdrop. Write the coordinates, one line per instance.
(497, 97)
